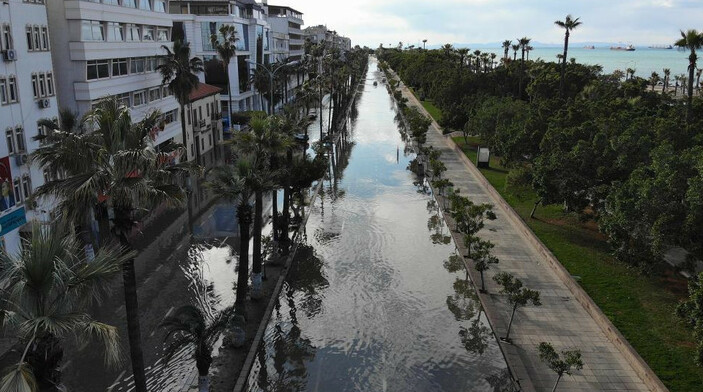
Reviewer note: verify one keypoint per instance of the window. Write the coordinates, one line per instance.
(207, 110)
(129, 3)
(30, 40)
(98, 69)
(160, 5)
(111, 2)
(35, 85)
(155, 94)
(139, 98)
(162, 34)
(92, 30)
(45, 38)
(119, 67)
(133, 33)
(124, 99)
(150, 64)
(188, 117)
(50, 83)
(26, 187)
(17, 189)
(4, 94)
(148, 33)
(6, 39)
(167, 92)
(137, 65)
(10, 141)
(36, 35)
(144, 5)
(114, 32)
(12, 89)
(19, 137)
(42, 85)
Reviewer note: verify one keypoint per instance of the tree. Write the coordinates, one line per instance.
(567, 24)
(690, 40)
(691, 311)
(191, 327)
(572, 360)
(236, 183)
(47, 291)
(178, 71)
(667, 74)
(116, 167)
(506, 48)
(524, 43)
(515, 48)
(518, 296)
(482, 257)
(654, 79)
(226, 50)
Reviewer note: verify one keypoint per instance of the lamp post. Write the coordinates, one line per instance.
(272, 74)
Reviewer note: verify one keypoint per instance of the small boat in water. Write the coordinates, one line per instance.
(628, 48)
(589, 47)
(375, 84)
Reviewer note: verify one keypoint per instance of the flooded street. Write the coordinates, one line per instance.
(374, 301)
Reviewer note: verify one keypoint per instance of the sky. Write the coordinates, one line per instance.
(371, 22)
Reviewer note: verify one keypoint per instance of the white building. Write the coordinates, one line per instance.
(199, 19)
(286, 24)
(203, 124)
(320, 33)
(109, 48)
(27, 95)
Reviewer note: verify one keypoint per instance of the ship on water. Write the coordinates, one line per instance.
(589, 47)
(628, 48)
(661, 47)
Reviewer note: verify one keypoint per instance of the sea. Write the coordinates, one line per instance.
(643, 60)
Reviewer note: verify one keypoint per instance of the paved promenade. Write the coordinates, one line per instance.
(567, 319)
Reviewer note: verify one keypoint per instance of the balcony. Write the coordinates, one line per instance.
(90, 50)
(88, 10)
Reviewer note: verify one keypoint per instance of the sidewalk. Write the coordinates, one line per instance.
(568, 319)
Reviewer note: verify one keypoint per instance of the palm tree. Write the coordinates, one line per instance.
(654, 79)
(114, 166)
(524, 43)
(567, 24)
(178, 71)
(226, 50)
(698, 79)
(493, 59)
(690, 40)
(47, 289)
(630, 73)
(667, 74)
(528, 49)
(515, 48)
(462, 56)
(506, 47)
(261, 80)
(236, 184)
(190, 327)
(262, 143)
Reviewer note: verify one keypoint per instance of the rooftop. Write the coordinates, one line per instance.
(203, 90)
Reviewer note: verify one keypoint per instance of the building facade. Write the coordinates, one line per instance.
(320, 33)
(204, 124)
(110, 48)
(28, 88)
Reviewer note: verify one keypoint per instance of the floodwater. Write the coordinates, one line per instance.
(374, 301)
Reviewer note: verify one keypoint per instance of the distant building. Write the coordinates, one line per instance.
(286, 24)
(203, 124)
(109, 48)
(320, 33)
(27, 95)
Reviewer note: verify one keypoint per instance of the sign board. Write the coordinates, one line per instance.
(11, 221)
(483, 157)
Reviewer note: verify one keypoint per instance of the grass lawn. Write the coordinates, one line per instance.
(641, 307)
(433, 110)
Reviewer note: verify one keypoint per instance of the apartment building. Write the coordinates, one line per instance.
(27, 95)
(286, 24)
(204, 124)
(320, 33)
(107, 48)
(198, 20)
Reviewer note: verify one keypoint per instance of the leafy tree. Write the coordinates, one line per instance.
(115, 165)
(189, 327)
(691, 311)
(567, 24)
(572, 360)
(179, 72)
(47, 291)
(518, 296)
(482, 257)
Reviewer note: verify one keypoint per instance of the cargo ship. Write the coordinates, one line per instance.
(628, 48)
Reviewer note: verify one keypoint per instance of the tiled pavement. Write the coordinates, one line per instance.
(561, 320)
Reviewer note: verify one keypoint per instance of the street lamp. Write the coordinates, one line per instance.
(272, 74)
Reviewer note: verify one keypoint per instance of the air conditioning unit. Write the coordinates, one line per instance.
(21, 159)
(9, 55)
(44, 103)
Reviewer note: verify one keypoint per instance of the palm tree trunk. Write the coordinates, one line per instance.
(286, 200)
(133, 327)
(534, 209)
(256, 258)
(183, 132)
(691, 70)
(229, 96)
(556, 383)
(483, 283)
(244, 216)
(563, 64)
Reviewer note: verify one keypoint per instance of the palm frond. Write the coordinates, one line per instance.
(19, 378)
(107, 336)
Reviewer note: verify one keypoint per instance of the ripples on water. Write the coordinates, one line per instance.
(368, 305)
